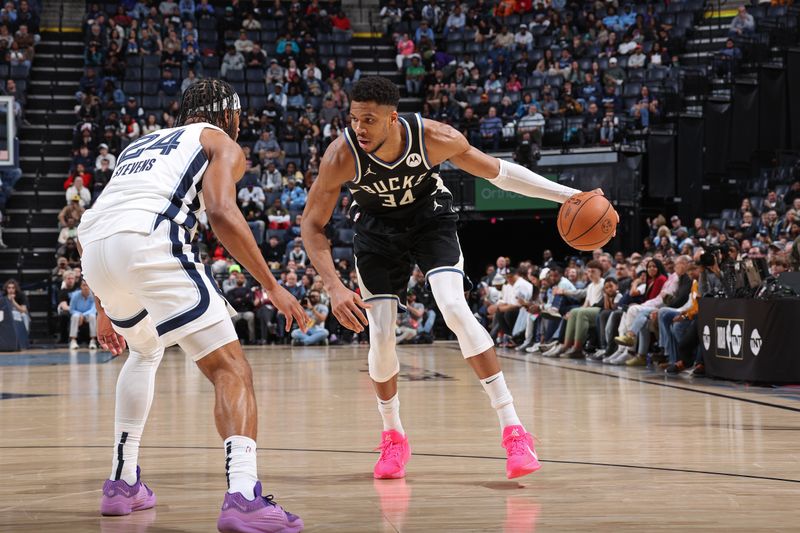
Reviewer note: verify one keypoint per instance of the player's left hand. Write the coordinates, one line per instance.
(108, 338)
(290, 307)
(600, 191)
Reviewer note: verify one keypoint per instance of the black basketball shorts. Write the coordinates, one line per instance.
(386, 250)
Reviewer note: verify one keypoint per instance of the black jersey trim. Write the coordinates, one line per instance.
(406, 152)
(350, 145)
(422, 147)
(402, 308)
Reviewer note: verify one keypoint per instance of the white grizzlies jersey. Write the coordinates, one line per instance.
(157, 176)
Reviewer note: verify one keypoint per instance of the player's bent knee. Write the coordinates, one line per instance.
(447, 289)
(382, 359)
(383, 362)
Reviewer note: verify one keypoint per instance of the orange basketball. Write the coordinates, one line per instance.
(587, 221)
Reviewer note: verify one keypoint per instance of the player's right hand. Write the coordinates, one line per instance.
(347, 308)
(290, 307)
(108, 338)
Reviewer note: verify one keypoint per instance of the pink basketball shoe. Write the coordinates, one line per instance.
(395, 453)
(522, 458)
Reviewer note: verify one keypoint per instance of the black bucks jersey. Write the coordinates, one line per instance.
(403, 216)
(397, 190)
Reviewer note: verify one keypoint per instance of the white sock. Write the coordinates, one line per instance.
(240, 465)
(495, 386)
(390, 412)
(126, 456)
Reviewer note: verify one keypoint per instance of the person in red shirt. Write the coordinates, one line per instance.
(80, 171)
(523, 6)
(340, 21)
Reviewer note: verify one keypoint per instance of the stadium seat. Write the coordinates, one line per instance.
(151, 61)
(151, 102)
(132, 87)
(19, 72)
(342, 252)
(277, 233)
(455, 48)
(150, 85)
(257, 102)
(292, 149)
(254, 74)
(133, 73)
(345, 236)
(631, 89)
(207, 24)
(342, 50)
(255, 88)
(234, 75)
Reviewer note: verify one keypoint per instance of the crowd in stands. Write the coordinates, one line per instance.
(19, 33)
(554, 72)
(552, 308)
(638, 309)
(291, 68)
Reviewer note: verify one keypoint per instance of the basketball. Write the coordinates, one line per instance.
(587, 221)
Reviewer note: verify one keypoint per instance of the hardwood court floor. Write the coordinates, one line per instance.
(623, 450)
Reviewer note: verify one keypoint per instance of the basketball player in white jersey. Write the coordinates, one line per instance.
(139, 260)
(403, 215)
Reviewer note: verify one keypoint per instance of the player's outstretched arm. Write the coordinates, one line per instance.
(225, 168)
(336, 168)
(445, 143)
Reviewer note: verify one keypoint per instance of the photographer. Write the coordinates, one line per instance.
(710, 275)
(265, 312)
(317, 314)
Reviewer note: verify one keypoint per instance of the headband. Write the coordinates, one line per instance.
(231, 103)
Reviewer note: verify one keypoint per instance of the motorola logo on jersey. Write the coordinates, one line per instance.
(755, 342)
(729, 338)
(706, 337)
(414, 160)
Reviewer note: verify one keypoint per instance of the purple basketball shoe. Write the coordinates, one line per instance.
(259, 515)
(120, 499)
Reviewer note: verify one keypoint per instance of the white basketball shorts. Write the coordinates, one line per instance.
(159, 276)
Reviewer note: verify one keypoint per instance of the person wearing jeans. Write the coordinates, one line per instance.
(317, 314)
(673, 331)
(425, 318)
(82, 311)
(582, 317)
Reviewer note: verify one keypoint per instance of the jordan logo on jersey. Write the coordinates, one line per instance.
(369, 171)
(414, 160)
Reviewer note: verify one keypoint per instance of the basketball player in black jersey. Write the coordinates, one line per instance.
(403, 216)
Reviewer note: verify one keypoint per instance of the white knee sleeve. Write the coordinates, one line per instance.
(383, 362)
(448, 289)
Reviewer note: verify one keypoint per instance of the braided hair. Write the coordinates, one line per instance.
(209, 99)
